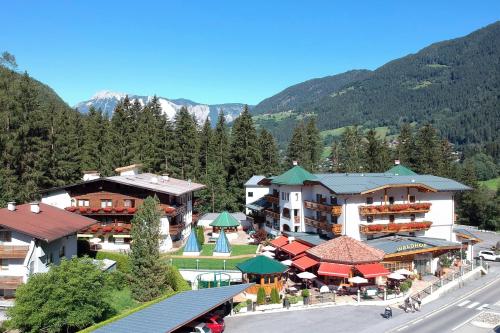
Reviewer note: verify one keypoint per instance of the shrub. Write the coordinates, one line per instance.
(293, 299)
(275, 296)
(238, 307)
(122, 260)
(260, 236)
(116, 280)
(200, 235)
(248, 302)
(405, 286)
(444, 261)
(261, 296)
(175, 280)
(305, 293)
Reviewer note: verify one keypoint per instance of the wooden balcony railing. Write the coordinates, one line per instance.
(323, 225)
(395, 209)
(272, 214)
(394, 227)
(176, 228)
(10, 282)
(322, 207)
(110, 228)
(268, 287)
(296, 219)
(337, 229)
(169, 210)
(272, 198)
(13, 251)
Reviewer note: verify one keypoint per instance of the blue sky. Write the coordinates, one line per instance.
(220, 51)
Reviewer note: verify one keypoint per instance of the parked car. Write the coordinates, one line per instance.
(215, 323)
(195, 327)
(489, 255)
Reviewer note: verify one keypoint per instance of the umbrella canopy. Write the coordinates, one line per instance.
(306, 275)
(268, 254)
(404, 271)
(95, 240)
(269, 248)
(287, 262)
(357, 279)
(225, 220)
(292, 289)
(396, 276)
(324, 289)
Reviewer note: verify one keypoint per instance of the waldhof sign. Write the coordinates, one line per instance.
(410, 247)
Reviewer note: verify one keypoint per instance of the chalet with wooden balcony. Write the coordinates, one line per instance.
(33, 236)
(363, 206)
(113, 202)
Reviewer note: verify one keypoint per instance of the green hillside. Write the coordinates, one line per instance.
(492, 184)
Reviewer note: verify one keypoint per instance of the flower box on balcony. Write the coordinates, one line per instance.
(107, 228)
(119, 209)
(376, 227)
(119, 229)
(107, 209)
(94, 228)
(169, 210)
(131, 210)
(95, 210)
(70, 209)
(82, 210)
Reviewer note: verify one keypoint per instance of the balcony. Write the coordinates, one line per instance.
(296, 219)
(111, 229)
(13, 251)
(322, 207)
(394, 227)
(272, 198)
(395, 209)
(169, 210)
(176, 228)
(323, 225)
(272, 214)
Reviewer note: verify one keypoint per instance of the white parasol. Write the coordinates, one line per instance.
(268, 254)
(404, 271)
(324, 289)
(269, 248)
(396, 276)
(306, 275)
(287, 262)
(95, 240)
(357, 280)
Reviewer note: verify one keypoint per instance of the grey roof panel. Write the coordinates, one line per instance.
(157, 183)
(254, 180)
(311, 238)
(174, 312)
(394, 244)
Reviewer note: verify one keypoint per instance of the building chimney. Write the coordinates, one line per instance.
(11, 206)
(397, 162)
(295, 163)
(165, 177)
(91, 175)
(154, 180)
(35, 207)
(129, 170)
(290, 239)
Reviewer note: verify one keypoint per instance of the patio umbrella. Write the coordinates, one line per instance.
(287, 262)
(396, 276)
(292, 289)
(306, 275)
(357, 280)
(95, 240)
(268, 254)
(324, 289)
(269, 248)
(404, 271)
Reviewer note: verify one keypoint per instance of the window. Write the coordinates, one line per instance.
(391, 200)
(119, 240)
(412, 217)
(391, 218)
(335, 219)
(318, 197)
(5, 235)
(50, 258)
(5, 264)
(296, 197)
(62, 251)
(333, 201)
(276, 224)
(129, 203)
(106, 203)
(250, 194)
(83, 202)
(369, 200)
(412, 199)
(369, 219)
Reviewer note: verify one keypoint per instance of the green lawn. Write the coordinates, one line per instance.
(190, 263)
(236, 250)
(492, 184)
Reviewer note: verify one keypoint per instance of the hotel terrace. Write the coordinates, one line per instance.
(410, 217)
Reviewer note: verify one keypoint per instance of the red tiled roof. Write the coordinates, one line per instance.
(330, 269)
(280, 241)
(295, 248)
(49, 224)
(346, 250)
(304, 263)
(372, 270)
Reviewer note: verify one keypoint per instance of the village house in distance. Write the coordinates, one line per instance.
(114, 200)
(33, 236)
(408, 216)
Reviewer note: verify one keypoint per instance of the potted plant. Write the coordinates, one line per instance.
(71, 209)
(261, 296)
(95, 210)
(305, 295)
(131, 210)
(249, 304)
(108, 209)
(119, 209)
(82, 209)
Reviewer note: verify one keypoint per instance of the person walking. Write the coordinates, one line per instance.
(388, 312)
(419, 302)
(286, 303)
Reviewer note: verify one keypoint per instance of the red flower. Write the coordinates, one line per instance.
(94, 228)
(131, 210)
(70, 209)
(82, 209)
(375, 227)
(107, 228)
(119, 209)
(108, 210)
(169, 210)
(95, 210)
(119, 229)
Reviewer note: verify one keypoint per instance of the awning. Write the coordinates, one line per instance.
(372, 270)
(331, 269)
(295, 248)
(304, 263)
(279, 242)
(258, 205)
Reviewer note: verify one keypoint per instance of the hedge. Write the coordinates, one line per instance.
(175, 279)
(122, 260)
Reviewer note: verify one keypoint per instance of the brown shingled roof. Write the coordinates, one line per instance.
(48, 225)
(346, 250)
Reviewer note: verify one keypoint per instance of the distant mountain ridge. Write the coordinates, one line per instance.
(454, 85)
(107, 101)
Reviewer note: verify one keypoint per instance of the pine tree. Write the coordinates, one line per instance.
(427, 148)
(93, 149)
(351, 152)
(244, 154)
(269, 154)
(205, 141)
(186, 156)
(376, 153)
(220, 143)
(118, 139)
(298, 149)
(314, 145)
(405, 150)
(147, 278)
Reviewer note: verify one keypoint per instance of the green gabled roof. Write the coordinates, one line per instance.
(399, 170)
(225, 220)
(295, 176)
(261, 265)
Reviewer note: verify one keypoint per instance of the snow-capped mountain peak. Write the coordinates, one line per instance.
(108, 94)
